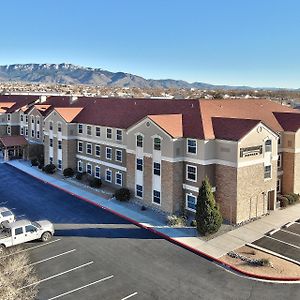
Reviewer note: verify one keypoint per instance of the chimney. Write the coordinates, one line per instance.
(73, 98)
(43, 98)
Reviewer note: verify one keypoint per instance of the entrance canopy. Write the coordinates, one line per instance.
(13, 146)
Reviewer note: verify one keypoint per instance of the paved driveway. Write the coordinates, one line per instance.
(97, 255)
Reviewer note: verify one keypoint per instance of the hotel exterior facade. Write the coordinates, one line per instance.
(162, 149)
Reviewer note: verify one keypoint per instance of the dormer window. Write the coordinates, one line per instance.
(192, 146)
(139, 141)
(268, 146)
(157, 144)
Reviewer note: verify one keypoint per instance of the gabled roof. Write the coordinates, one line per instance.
(232, 129)
(172, 124)
(7, 104)
(19, 100)
(14, 140)
(288, 121)
(68, 113)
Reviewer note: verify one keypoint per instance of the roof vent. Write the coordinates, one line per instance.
(134, 102)
(192, 105)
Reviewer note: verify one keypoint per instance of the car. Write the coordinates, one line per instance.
(23, 231)
(6, 216)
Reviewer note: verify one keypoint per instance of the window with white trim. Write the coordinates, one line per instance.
(38, 120)
(119, 135)
(157, 144)
(279, 161)
(26, 118)
(268, 146)
(97, 172)
(50, 125)
(80, 128)
(26, 131)
(268, 172)
(59, 164)
(190, 202)
(192, 146)
(51, 142)
(278, 186)
(108, 175)
(108, 133)
(139, 141)
(89, 169)
(156, 168)
(139, 191)
(51, 160)
(8, 117)
(80, 146)
(32, 119)
(21, 130)
(58, 127)
(108, 153)
(97, 150)
(118, 178)
(88, 149)
(79, 166)
(119, 155)
(97, 131)
(156, 197)
(37, 134)
(191, 173)
(88, 129)
(8, 130)
(32, 133)
(21, 117)
(59, 144)
(139, 164)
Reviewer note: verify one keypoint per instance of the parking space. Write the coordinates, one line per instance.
(284, 241)
(98, 255)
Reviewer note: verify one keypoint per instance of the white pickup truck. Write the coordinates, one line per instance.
(23, 231)
(6, 216)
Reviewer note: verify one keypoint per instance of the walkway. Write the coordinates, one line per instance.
(215, 247)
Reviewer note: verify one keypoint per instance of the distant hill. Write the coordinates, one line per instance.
(71, 74)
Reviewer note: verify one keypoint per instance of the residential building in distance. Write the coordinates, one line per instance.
(162, 149)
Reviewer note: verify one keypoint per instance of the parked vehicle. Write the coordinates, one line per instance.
(23, 231)
(6, 216)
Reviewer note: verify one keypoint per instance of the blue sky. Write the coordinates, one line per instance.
(237, 42)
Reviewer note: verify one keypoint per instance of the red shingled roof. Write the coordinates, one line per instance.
(20, 101)
(14, 140)
(288, 121)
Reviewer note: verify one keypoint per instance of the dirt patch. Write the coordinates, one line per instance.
(279, 268)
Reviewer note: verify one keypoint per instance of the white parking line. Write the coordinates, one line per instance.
(49, 258)
(282, 242)
(80, 288)
(31, 248)
(129, 296)
(20, 216)
(56, 275)
(294, 233)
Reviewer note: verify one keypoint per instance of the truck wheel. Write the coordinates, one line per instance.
(2, 249)
(46, 236)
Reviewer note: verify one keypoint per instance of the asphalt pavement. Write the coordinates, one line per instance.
(98, 255)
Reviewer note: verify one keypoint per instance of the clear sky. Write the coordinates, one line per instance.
(237, 42)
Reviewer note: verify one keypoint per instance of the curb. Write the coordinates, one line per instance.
(168, 238)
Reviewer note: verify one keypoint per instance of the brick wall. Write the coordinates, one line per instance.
(289, 172)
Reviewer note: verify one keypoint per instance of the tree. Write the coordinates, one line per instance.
(208, 216)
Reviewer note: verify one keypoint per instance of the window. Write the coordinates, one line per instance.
(6, 213)
(18, 230)
(51, 160)
(59, 144)
(156, 197)
(119, 136)
(191, 202)
(98, 131)
(139, 164)
(79, 166)
(21, 118)
(156, 168)
(50, 125)
(119, 178)
(268, 146)
(97, 172)
(58, 127)
(8, 130)
(157, 144)
(109, 133)
(88, 148)
(80, 146)
(26, 131)
(37, 120)
(59, 164)
(192, 146)
(89, 169)
(30, 228)
(32, 132)
(108, 175)
(97, 150)
(21, 131)
(279, 186)
(191, 173)
(139, 191)
(89, 130)
(279, 141)
(139, 141)
(51, 142)
(80, 128)
(32, 119)
(108, 153)
(8, 117)
(37, 134)
(119, 155)
(26, 118)
(268, 170)
(279, 161)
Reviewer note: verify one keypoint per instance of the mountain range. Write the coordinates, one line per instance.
(71, 74)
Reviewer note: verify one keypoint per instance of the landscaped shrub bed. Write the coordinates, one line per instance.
(95, 182)
(68, 172)
(288, 199)
(50, 169)
(122, 194)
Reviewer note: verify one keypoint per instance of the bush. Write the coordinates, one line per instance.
(34, 162)
(41, 165)
(295, 196)
(290, 198)
(284, 202)
(122, 194)
(194, 223)
(79, 175)
(174, 220)
(95, 182)
(50, 169)
(68, 172)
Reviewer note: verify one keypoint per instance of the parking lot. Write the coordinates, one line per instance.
(98, 255)
(284, 241)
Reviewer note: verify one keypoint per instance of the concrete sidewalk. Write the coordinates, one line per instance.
(215, 247)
